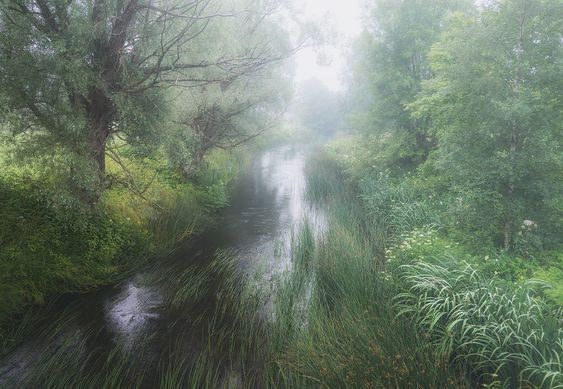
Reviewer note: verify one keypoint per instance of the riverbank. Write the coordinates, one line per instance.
(397, 302)
(52, 244)
(299, 285)
(181, 321)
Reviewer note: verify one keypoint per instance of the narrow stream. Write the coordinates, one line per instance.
(267, 205)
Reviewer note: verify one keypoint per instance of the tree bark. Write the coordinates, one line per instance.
(101, 113)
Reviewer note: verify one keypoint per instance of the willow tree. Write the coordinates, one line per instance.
(231, 112)
(76, 73)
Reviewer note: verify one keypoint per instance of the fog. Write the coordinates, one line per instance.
(340, 21)
(281, 194)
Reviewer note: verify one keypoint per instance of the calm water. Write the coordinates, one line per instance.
(267, 206)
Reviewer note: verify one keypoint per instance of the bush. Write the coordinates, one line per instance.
(50, 243)
(552, 276)
(421, 244)
(398, 205)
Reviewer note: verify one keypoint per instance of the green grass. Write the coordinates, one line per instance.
(507, 335)
(475, 314)
(334, 324)
(341, 315)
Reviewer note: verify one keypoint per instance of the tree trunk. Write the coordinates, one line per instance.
(97, 145)
(189, 170)
(101, 112)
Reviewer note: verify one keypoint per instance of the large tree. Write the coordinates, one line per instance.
(76, 73)
(497, 110)
(389, 61)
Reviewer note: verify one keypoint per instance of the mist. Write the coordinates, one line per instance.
(281, 193)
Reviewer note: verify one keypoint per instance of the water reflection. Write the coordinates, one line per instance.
(129, 313)
(268, 206)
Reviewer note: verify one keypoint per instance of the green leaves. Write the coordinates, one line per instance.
(503, 333)
(493, 127)
(391, 65)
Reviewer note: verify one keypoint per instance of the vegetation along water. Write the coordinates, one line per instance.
(284, 194)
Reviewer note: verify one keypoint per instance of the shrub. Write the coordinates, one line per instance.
(50, 243)
(553, 276)
(397, 204)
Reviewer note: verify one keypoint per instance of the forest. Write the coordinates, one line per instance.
(256, 193)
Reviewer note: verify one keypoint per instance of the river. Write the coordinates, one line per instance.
(267, 205)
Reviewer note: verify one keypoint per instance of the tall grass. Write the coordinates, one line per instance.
(178, 220)
(348, 334)
(508, 336)
(501, 334)
(214, 338)
(396, 205)
(334, 324)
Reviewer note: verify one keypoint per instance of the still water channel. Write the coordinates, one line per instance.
(268, 205)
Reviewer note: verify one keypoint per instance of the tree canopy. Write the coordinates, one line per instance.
(77, 74)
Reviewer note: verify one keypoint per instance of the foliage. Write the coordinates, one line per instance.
(496, 117)
(553, 276)
(481, 312)
(389, 63)
(466, 100)
(79, 77)
(506, 335)
(38, 260)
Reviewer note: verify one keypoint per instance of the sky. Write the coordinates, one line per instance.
(328, 63)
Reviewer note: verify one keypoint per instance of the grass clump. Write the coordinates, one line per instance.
(334, 323)
(507, 336)
(349, 336)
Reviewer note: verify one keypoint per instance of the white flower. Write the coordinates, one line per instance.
(528, 224)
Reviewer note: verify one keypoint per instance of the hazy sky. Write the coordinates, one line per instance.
(345, 18)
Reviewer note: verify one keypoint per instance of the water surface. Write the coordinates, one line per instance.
(267, 206)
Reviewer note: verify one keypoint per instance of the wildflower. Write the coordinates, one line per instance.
(528, 225)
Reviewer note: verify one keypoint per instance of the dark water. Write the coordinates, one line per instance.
(267, 205)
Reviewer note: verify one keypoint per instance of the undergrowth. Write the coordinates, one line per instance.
(477, 310)
(52, 244)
